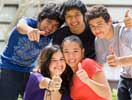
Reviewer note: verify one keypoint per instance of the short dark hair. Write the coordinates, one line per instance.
(73, 4)
(72, 38)
(97, 11)
(50, 11)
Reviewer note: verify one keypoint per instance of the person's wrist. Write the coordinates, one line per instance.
(118, 61)
(49, 82)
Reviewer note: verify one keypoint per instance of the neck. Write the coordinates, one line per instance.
(110, 34)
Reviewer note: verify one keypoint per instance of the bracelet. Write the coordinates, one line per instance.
(49, 85)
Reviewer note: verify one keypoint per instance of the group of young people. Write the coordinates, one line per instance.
(65, 56)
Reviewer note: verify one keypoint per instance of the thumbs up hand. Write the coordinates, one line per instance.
(112, 59)
(82, 74)
(56, 81)
(128, 19)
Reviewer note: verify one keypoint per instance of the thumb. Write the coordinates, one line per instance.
(127, 13)
(79, 66)
(111, 51)
(56, 72)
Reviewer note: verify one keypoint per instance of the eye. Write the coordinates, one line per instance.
(53, 60)
(76, 51)
(65, 52)
(67, 16)
(62, 59)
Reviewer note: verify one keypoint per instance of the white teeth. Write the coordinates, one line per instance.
(74, 24)
(72, 61)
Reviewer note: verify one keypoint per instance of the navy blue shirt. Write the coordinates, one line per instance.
(20, 53)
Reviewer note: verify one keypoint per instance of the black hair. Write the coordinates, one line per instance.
(97, 11)
(51, 11)
(44, 60)
(72, 38)
(73, 4)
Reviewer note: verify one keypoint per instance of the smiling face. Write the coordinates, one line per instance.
(100, 28)
(74, 19)
(57, 64)
(48, 25)
(73, 54)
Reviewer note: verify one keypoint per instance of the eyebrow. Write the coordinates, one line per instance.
(73, 49)
(55, 58)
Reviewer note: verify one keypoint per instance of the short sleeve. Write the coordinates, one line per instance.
(91, 66)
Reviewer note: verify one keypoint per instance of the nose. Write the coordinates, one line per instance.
(50, 27)
(71, 55)
(96, 30)
(73, 19)
(59, 62)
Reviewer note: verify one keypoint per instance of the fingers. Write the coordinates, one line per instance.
(42, 33)
(111, 51)
(127, 13)
(54, 85)
(56, 80)
(111, 60)
(80, 70)
(56, 72)
(82, 74)
(128, 19)
(34, 34)
(79, 66)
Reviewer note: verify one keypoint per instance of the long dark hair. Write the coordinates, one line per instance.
(44, 62)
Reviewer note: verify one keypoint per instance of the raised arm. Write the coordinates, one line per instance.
(115, 61)
(128, 19)
(23, 26)
(98, 83)
(29, 26)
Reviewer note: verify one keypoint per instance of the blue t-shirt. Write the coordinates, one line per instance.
(33, 92)
(20, 53)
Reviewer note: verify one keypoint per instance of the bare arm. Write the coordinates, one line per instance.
(44, 83)
(32, 33)
(115, 61)
(126, 60)
(98, 83)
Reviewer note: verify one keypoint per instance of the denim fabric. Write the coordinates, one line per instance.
(12, 84)
(125, 89)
